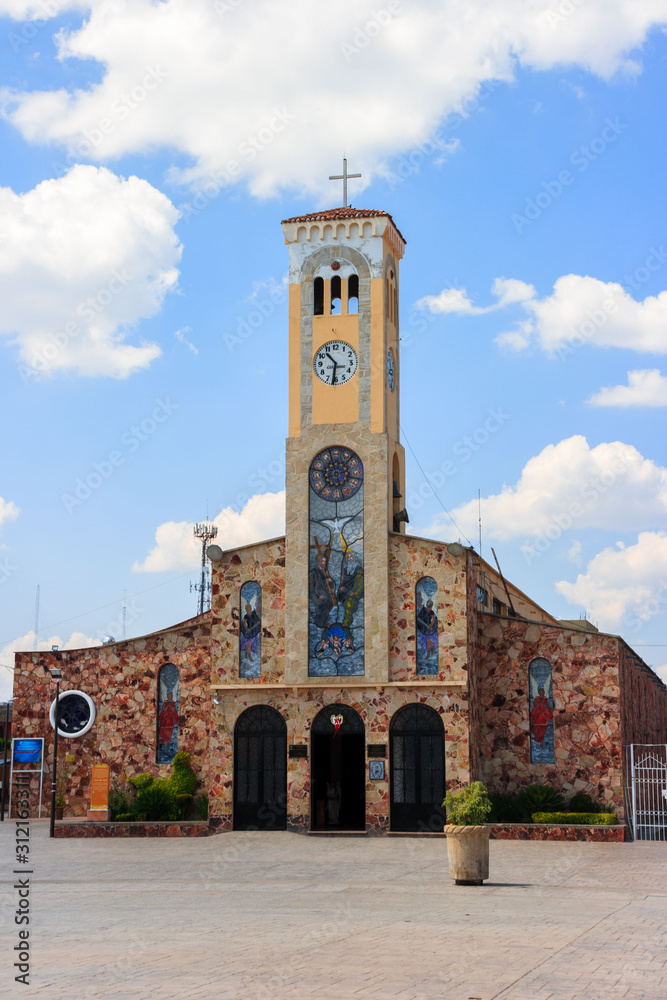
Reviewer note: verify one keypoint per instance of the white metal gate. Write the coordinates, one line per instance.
(646, 790)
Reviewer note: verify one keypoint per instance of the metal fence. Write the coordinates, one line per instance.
(646, 790)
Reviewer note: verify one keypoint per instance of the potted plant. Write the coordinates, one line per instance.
(468, 834)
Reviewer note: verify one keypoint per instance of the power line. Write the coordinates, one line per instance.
(84, 614)
(460, 530)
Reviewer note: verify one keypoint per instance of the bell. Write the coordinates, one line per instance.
(397, 495)
(398, 518)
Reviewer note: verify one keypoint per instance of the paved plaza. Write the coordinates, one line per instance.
(276, 915)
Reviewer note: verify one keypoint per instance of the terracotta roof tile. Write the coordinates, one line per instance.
(331, 214)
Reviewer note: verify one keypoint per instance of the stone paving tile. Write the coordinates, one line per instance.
(282, 917)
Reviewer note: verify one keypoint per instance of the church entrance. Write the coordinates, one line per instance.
(417, 769)
(338, 770)
(260, 770)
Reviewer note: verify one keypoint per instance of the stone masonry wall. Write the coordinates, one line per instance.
(121, 679)
(264, 563)
(299, 707)
(410, 558)
(587, 714)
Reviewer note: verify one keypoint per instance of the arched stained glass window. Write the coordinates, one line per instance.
(541, 700)
(336, 568)
(250, 630)
(426, 613)
(167, 713)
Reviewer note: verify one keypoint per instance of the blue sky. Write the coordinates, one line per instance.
(149, 152)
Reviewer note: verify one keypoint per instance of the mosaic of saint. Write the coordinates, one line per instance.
(336, 571)
(167, 717)
(250, 630)
(426, 612)
(542, 748)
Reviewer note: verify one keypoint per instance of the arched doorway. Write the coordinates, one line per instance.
(260, 770)
(417, 769)
(338, 770)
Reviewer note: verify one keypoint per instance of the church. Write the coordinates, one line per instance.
(349, 673)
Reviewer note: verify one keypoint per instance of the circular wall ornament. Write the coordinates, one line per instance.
(76, 712)
(336, 474)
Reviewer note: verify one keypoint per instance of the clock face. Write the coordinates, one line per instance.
(391, 374)
(335, 363)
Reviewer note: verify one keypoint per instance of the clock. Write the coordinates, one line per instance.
(335, 363)
(391, 373)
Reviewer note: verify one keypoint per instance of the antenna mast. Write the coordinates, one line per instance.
(37, 617)
(205, 531)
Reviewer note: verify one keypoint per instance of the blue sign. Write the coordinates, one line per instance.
(27, 751)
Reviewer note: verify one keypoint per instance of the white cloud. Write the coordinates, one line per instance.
(182, 339)
(26, 643)
(570, 484)
(8, 511)
(82, 259)
(455, 300)
(315, 78)
(646, 387)
(583, 310)
(574, 551)
(623, 583)
(662, 672)
(176, 547)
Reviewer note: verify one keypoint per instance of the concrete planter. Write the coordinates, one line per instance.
(468, 851)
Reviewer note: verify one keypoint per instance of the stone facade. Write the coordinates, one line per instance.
(604, 698)
(121, 679)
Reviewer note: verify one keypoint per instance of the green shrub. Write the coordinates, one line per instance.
(183, 780)
(583, 804)
(576, 818)
(119, 803)
(155, 803)
(201, 806)
(539, 798)
(469, 806)
(505, 809)
(184, 805)
(124, 817)
(141, 781)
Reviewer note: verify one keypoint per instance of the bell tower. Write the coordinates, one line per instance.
(344, 442)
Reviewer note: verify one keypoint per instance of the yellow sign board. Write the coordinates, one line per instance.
(99, 787)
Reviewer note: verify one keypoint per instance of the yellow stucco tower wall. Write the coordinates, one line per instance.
(362, 414)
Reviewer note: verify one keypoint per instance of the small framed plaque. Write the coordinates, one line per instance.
(298, 750)
(376, 770)
(377, 749)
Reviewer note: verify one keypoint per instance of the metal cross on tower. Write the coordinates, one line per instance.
(344, 178)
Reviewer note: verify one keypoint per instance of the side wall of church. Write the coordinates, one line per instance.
(122, 680)
(643, 701)
(474, 679)
(586, 674)
(265, 564)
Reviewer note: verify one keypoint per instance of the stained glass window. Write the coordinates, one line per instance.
(542, 743)
(250, 630)
(336, 571)
(167, 717)
(426, 613)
